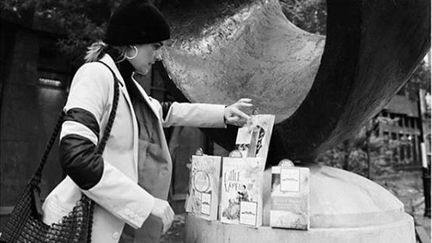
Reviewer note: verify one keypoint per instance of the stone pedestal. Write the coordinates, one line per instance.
(344, 207)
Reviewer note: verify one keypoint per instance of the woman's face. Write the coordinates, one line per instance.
(146, 57)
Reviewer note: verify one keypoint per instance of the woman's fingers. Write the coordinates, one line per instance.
(243, 105)
(234, 114)
(236, 120)
(164, 212)
(169, 217)
(244, 102)
(240, 113)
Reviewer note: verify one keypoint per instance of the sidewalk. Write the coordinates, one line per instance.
(425, 223)
(408, 187)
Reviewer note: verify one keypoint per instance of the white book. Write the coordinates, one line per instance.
(290, 198)
(203, 198)
(241, 191)
(253, 139)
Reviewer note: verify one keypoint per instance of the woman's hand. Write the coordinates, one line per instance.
(163, 210)
(234, 115)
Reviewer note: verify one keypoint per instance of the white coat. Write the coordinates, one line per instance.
(118, 197)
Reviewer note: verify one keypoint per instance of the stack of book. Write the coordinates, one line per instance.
(242, 178)
(230, 189)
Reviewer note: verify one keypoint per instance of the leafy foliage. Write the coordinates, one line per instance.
(80, 21)
(16, 7)
(310, 15)
(368, 154)
(83, 22)
(357, 153)
(421, 79)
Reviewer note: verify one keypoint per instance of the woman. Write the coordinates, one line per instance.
(130, 181)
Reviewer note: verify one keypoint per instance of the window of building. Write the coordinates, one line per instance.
(53, 68)
(403, 138)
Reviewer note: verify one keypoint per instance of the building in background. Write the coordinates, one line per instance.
(34, 81)
(409, 113)
(34, 78)
(405, 130)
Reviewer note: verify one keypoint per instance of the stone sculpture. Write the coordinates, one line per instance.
(321, 89)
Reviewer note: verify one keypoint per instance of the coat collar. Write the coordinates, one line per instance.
(146, 97)
(110, 62)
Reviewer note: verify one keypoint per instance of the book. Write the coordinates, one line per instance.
(253, 139)
(290, 199)
(241, 191)
(203, 198)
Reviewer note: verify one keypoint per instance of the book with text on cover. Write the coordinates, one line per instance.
(290, 201)
(241, 191)
(203, 199)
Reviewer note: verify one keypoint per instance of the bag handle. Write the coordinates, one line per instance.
(38, 174)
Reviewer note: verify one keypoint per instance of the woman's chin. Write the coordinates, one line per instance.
(143, 72)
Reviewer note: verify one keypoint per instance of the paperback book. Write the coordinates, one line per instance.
(241, 191)
(203, 198)
(253, 139)
(290, 202)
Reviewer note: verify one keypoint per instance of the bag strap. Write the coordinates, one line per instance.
(111, 118)
(101, 146)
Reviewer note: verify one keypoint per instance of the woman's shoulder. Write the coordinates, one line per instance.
(93, 74)
(95, 71)
(94, 68)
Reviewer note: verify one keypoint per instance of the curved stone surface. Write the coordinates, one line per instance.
(201, 231)
(320, 92)
(254, 53)
(339, 198)
(345, 207)
(372, 47)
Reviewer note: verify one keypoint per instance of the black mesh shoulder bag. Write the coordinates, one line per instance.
(25, 223)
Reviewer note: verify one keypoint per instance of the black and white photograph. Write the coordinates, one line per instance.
(107, 105)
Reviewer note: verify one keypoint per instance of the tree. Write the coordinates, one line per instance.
(421, 79)
(366, 153)
(309, 15)
(83, 21)
(79, 21)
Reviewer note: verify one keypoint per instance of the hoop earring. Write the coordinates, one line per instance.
(136, 53)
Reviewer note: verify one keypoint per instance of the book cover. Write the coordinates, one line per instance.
(241, 191)
(203, 198)
(290, 201)
(253, 139)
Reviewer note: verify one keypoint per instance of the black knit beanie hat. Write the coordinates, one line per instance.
(136, 22)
